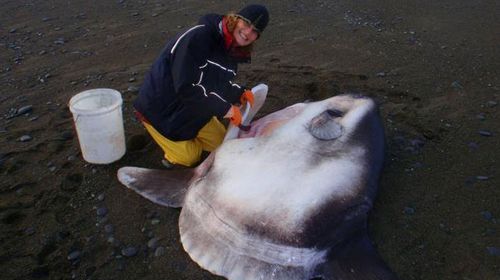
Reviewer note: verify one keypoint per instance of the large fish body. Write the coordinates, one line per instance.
(286, 200)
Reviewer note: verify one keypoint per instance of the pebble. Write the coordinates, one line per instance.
(494, 251)
(492, 103)
(409, 210)
(109, 228)
(155, 221)
(25, 138)
(153, 243)
(160, 251)
(482, 178)
(481, 116)
(133, 89)
(24, 109)
(485, 133)
(129, 251)
(100, 197)
(131, 79)
(102, 211)
(29, 231)
(487, 215)
(457, 85)
(75, 255)
(13, 30)
(59, 41)
(113, 241)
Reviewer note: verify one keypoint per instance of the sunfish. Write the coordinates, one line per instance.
(287, 199)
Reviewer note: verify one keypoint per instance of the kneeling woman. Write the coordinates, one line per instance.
(191, 84)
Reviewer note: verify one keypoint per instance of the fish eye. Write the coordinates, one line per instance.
(335, 113)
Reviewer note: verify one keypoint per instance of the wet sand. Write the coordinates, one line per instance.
(432, 67)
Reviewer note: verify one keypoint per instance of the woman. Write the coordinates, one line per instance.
(191, 84)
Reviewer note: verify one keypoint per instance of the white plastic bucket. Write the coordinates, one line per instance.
(97, 114)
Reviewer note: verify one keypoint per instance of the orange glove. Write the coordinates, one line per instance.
(234, 115)
(247, 96)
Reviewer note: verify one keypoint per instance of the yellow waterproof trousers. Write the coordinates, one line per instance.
(188, 152)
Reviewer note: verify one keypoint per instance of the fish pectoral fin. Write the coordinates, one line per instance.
(355, 260)
(163, 187)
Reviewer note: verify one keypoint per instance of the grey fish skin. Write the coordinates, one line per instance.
(288, 199)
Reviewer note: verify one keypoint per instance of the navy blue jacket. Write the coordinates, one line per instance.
(190, 82)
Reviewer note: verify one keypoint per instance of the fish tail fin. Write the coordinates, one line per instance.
(355, 260)
(164, 187)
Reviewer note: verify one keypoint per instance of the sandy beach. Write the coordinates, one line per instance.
(432, 66)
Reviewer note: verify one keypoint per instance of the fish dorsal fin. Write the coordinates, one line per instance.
(164, 187)
(355, 260)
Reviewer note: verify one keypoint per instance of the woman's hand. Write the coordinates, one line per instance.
(247, 96)
(234, 115)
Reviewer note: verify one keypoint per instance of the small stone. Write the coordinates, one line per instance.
(155, 221)
(29, 231)
(100, 197)
(25, 138)
(485, 133)
(482, 178)
(487, 215)
(494, 251)
(59, 41)
(24, 109)
(129, 251)
(112, 240)
(133, 89)
(102, 211)
(457, 85)
(153, 243)
(409, 210)
(74, 255)
(109, 228)
(491, 103)
(13, 30)
(160, 251)
(381, 74)
(131, 79)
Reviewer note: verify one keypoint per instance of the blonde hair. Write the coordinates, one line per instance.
(231, 21)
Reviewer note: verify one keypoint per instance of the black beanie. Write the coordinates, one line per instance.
(256, 15)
